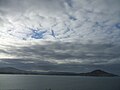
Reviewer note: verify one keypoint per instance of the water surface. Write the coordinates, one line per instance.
(46, 82)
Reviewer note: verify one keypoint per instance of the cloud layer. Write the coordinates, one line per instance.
(84, 20)
(62, 56)
(60, 34)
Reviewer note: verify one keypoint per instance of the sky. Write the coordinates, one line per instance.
(60, 35)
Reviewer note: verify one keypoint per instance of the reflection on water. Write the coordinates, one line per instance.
(39, 82)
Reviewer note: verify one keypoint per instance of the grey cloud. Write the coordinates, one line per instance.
(87, 53)
(27, 64)
(81, 20)
(48, 66)
(70, 3)
(85, 20)
(22, 6)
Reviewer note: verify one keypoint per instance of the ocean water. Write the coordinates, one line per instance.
(46, 82)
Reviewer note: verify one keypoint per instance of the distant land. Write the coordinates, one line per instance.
(98, 73)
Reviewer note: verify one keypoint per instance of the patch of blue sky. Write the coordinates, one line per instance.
(117, 25)
(38, 34)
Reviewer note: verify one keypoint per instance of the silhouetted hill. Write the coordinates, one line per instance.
(98, 73)
(11, 70)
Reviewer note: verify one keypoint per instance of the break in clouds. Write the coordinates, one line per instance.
(60, 35)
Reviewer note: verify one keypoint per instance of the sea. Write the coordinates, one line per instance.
(48, 82)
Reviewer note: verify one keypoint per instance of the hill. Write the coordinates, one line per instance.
(99, 73)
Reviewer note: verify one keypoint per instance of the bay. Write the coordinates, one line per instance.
(47, 82)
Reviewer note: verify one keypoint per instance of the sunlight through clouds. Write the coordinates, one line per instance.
(60, 32)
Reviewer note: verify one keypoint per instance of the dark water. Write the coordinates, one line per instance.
(32, 82)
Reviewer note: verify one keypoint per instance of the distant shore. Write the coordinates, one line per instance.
(96, 73)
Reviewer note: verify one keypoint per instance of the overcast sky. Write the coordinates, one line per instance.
(60, 35)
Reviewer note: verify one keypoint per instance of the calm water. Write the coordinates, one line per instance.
(32, 82)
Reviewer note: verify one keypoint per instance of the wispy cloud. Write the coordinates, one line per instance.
(59, 34)
(97, 21)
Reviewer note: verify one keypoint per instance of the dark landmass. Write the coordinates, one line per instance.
(98, 73)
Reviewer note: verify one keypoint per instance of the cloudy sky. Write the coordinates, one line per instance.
(60, 35)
